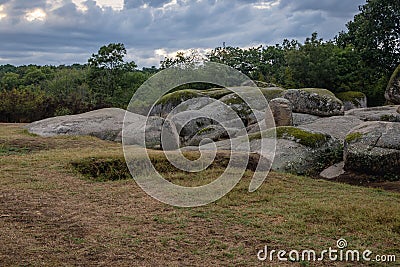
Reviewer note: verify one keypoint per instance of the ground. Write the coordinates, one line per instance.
(50, 215)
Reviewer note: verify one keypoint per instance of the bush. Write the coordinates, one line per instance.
(25, 105)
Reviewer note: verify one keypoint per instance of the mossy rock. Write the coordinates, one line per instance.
(373, 148)
(303, 137)
(216, 93)
(352, 99)
(170, 101)
(314, 101)
(392, 93)
(272, 92)
(177, 97)
(352, 137)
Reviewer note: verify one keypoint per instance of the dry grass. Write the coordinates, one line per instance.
(52, 216)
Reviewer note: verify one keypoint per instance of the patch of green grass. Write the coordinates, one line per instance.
(100, 169)
(10, 150)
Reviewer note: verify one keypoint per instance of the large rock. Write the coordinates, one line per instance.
(352, 100)
(210, 133)
(105, 124)
(384, 113)
(301, 118)
(247, 114)
(337, 126)
(170, 101)
(297, 151)
(320, 102)
(374, 148)
(392, 93)
(281, 109)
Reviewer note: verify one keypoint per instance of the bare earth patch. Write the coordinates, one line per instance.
(50, 215)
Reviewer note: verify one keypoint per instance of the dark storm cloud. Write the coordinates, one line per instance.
(69, 35)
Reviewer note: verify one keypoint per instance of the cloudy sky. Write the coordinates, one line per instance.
(68, 31)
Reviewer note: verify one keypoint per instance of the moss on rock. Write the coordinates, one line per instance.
(179, 96)
(351, 96)
(320, 92)
(300, 136)
(353, 137)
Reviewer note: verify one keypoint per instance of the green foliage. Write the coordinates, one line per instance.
(25, 105)
(375, 33)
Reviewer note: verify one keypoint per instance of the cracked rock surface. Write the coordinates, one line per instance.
(374, 148)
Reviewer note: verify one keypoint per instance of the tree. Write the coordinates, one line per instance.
(107, 67)
(375, 33)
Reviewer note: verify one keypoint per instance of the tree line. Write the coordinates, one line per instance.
(359, 59)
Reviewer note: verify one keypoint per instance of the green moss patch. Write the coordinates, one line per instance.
(351, 96)
(353, 137)
(179, 96)
(319, 91)
(216, 93)
(273, 92)
(300, 136)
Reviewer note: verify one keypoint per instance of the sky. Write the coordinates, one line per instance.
(55, 32)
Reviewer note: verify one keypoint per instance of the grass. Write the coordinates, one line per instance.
(52, 215)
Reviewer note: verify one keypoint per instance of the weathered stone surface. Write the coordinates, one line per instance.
(301, 118)
(210, 133)
(352, 100)
(247, 111)
(337, 126)
(297, 151)
(384, 113)
(333, 171)
(374, 148)
(320, 102)
(105, 124)
(169, 101)
(281, 109)
(392, 93)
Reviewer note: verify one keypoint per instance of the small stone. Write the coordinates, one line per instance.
(333, 171)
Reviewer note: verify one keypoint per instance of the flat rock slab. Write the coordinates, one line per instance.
(337, 126)
(384, 113)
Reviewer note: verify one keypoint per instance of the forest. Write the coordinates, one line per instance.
(362, 59)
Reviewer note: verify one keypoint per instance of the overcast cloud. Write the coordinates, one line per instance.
(69, 31)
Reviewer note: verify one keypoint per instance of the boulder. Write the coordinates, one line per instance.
(281, 109)
(384, 113)
(247, 114)
(337, 126)
(210, 133)
(105, 124)
(169, 101)
(297, 151)
(373, 148)
(272, 92)
(392, 93)
(320, 102)
(352, 100)
(301, 118)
